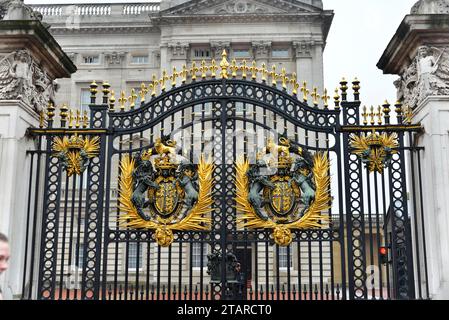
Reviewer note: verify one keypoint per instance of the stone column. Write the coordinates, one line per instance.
(304, 51)
(31, 60)
(419, 54)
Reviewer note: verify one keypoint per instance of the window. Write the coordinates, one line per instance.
(197, 255)
(284, 262)
(85, 100)
(140, 59)
(91, 59)
(133, 258)
(79, 256)
(202, 53)
(280, 53)
(241, 53)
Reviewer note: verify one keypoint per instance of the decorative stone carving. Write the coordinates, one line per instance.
(431, 7)
(115, 58)
(17, 10)
(303, 49)
(218, 47)
(261, 49)
(427, 75)
(179, 50)
(240, 7)
(21, 78)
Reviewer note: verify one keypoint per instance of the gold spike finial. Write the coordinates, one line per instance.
(379, 116)
(263, 70)
(85, 120)
(41, 119)
(254, 70)
(163, 80)
(315, 95)
(50, 111)
(295, 84)
(284, 79)
(203, 69)
(193, 71)
(63, 114)
(365, 115)
(372, 115)
(143, 92)
(132, 98)
(184, 73)
(213, 68)
(71, 118)
(337, 99)
(408, 115)
(174, 77)
(234, 68)
(224, 64)
(273, 75)
(153, 85)
(78, 119)
(244, 69)
(305, 91)
(122, 101)
(112, 102)
(325, 97)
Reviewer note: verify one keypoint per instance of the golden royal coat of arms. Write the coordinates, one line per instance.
(160, 192)
(287, 188)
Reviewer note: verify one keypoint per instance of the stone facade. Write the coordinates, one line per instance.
(419, 54)
(127, 44)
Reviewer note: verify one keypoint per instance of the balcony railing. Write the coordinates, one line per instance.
(105, 9)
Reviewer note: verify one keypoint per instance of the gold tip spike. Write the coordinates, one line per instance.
(284, 79)
(153, 86)
(398, 106)
(71, 118)
(122, 101)
(163, 80)
(132, 99)
(305, 91)
(337, 98)
(408, 115)
(93, 88)
(224, 64)
(263, 70)
(379, 116)
(174, 77)
(254, 70)
(78, 119)
(50, 111)
(203, 69)
(295, 84)
(143, 92)
(112, 102)
(325, 97)
(213, 68)
(356, 86)
(106, 86)
(244, 68)
(184, 73)
(41, 119)
(273, 76)
(343, 85)
(193, 71)
(387, 110)
(372, 116)
(315, 95)
(365, 115)
(85, 120)
(63, 114)
(234, 68)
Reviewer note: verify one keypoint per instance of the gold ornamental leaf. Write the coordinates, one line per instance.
(60, 145)
(92, 146)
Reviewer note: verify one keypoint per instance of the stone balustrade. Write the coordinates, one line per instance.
(99, 9)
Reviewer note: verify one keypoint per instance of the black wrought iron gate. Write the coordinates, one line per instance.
(87, 240)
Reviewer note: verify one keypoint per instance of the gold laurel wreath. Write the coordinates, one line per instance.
(313, 217)
(196, 220)
(90, 146)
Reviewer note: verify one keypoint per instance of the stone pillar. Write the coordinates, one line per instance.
(304, 51)
(419, 54)
(31, 60)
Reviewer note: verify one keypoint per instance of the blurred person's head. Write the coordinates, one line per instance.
(4, 253)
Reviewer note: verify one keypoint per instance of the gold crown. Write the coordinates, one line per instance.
(76, 142)
(165, 163)
(374, 140)
(284, 161)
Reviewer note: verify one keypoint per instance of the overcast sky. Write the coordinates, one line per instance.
(360, 32)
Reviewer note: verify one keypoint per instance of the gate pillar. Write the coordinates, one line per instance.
(419, 54)
(33, 60)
